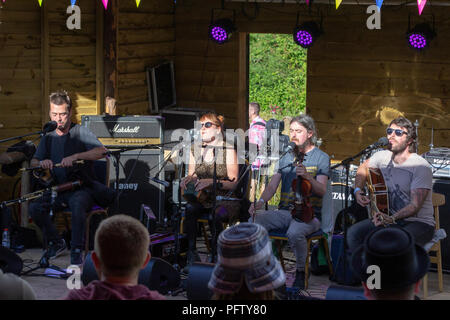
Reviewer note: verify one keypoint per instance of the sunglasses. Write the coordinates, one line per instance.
(398, 132)
(207, 125)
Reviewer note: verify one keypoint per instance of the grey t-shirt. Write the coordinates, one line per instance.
(400, 179)
(316, 163)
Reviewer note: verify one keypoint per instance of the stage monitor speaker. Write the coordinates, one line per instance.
(161, 86)
(197, 282)
(442, 186)
(136, 169)
(158, 275)
(10, 262)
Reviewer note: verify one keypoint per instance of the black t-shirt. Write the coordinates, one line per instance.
(55, 147)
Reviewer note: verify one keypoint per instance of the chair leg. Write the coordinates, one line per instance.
(439, 268)
(279, 245)
(425, 286)
(308, 254)
(205, 235)
(86, 244)
(327, 255)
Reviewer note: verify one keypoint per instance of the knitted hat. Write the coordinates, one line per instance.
(245, 254)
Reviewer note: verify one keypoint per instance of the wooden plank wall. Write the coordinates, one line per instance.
(357, 78)
(20, 78)
(146, 38)
(72, 55)
(206, 73)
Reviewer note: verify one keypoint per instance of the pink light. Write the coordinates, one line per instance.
(421, 5)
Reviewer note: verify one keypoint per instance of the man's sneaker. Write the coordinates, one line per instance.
(56, 248)
(76, 257)
(299, 281)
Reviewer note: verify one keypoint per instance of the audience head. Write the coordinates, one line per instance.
(400, 262)
(121, 247)
(246, 267)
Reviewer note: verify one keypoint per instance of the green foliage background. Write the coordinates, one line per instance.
(277, 75)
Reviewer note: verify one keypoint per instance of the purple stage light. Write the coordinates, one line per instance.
(417, 41)
(304, 38)
(420, 36)
(306, 34)
(221, 30)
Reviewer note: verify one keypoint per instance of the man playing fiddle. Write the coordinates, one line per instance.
(315, 169)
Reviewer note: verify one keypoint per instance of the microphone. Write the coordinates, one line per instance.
(290, 147)
(49, 127)
(164, 183)
(382, 142)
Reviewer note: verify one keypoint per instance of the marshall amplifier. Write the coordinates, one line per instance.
(125, 131)
(439, 159)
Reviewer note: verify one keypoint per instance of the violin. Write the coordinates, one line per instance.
(302, 188)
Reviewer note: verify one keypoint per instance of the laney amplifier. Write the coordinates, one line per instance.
(125, 131)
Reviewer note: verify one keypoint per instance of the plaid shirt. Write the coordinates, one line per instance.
(256, 135)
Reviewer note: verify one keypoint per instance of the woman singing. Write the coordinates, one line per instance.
(200, 175)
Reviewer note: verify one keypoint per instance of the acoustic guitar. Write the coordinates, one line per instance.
(191, 195)
(378, 194)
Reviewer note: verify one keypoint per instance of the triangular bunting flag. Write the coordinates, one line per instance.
(380, 3)
(421, 5)
(40, 3)
(105, 3)
(73, 2)
(338, 3)
(307, 2)
(137, 3)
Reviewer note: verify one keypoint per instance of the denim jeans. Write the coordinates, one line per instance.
(296, 231)
(421, 232)
(78, 202)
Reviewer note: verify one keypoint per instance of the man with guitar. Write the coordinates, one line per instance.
(63, 147)
(315, 170)
(408, 178)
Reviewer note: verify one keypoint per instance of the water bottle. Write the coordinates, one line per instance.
(5, 238)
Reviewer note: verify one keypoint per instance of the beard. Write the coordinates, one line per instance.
(399, 148)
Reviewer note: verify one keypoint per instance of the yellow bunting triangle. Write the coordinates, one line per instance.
(137, 3)
(40, 3)
(338, 3)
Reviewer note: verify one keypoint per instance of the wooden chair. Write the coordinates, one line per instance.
(64, 218)
(280, 235)
(438, 200)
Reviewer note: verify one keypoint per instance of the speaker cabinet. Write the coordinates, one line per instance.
(135, 186)
(442, 186)
(197, 282)
(158, 275)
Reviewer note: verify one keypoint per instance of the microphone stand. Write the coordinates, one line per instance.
(213, 212)
(41, 133)
(346, 164)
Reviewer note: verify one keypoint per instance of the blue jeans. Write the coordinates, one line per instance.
(78, 202)
(421, 232)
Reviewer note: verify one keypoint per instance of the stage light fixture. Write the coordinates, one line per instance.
(220, 31)
(420, 36)
(306, 34)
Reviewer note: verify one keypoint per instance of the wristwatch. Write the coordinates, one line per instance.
(261, 200)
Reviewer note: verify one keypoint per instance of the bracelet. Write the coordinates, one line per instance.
(356, 190)
(261, 200)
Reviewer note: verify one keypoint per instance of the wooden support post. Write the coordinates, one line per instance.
(242, 103)
(45, 63)
(100, 89)
(110, 49)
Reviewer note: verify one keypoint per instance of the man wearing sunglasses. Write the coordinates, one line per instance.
(409, 180)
